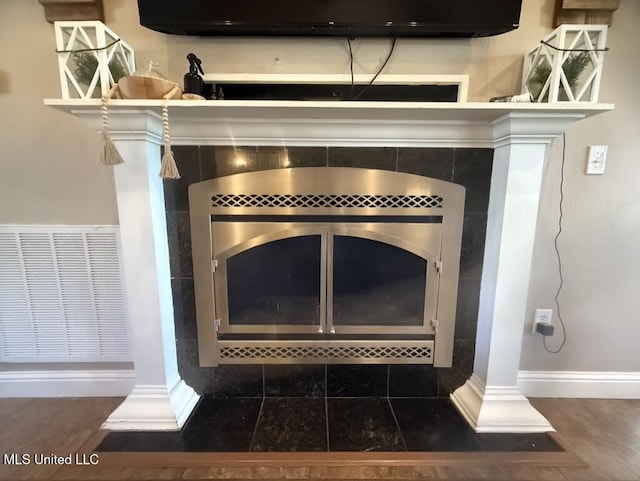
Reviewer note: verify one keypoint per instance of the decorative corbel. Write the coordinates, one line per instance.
(55, 10)
(592, 12)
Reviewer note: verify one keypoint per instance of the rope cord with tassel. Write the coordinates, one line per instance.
(168, 168)
(109, 154)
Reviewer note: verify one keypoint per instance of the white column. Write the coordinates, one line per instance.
(160, 399)
(490, 400)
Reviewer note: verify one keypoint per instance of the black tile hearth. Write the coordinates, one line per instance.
(433, 425)
(216, 425)
(335, 424)
(363, 424)
(221, 425)
(291, 424)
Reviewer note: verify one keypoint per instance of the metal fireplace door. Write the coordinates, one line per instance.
(326, 265)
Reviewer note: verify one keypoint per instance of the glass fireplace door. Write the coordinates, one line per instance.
(325, 280)
(276, 286)
(376, 287)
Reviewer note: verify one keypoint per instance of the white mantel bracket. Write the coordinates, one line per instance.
(521, 135)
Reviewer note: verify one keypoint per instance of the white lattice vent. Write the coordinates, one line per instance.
(61, 295)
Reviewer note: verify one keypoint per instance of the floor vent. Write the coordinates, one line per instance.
(62, 296)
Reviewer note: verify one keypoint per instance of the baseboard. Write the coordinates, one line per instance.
(580, 384)
(61, 383)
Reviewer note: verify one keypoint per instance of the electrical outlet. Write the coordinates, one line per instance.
(543, 316)
(596, 159)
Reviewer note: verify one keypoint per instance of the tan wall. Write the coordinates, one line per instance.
(49, 172)
(600, 243)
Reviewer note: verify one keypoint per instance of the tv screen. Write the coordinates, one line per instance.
(390, 18)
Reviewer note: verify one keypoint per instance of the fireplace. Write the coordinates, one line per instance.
(326, 265)
(520, 136)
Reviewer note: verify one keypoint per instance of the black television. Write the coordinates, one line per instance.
(353, 18)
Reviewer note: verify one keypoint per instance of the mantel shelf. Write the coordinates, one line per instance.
(468, 111)
(340, 123)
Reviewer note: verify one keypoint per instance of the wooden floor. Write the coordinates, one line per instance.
(604, 433)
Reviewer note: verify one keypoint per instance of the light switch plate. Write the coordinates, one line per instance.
(597, 159)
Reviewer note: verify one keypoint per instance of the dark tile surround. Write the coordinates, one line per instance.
(468, 167)
(328, 424)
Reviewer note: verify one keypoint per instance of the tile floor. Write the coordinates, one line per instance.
(324, 424)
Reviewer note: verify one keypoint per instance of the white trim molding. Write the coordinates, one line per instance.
(580, 384)
(154, 408)
(497, 409)
(59, 383)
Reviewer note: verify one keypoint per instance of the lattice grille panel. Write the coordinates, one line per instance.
(324, 353)
(320, 201)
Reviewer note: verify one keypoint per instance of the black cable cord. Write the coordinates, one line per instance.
(606, 49)
(90, 49)
(555, 245)
(384, 64)
(350, 66)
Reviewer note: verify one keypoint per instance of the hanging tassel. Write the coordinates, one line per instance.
(168, 169)
(109, 154)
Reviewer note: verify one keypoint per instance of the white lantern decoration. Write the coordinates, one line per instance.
(91, 58)
(567, 65)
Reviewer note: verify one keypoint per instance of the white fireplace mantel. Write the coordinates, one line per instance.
(520, 134)
(406, 124)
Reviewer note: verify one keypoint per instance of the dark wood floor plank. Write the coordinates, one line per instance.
(57, 426)
(604, 432)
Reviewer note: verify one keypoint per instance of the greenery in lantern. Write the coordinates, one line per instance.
(86, 64)
(572, 67)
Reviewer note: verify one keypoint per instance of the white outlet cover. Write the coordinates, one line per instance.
(542, 315)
